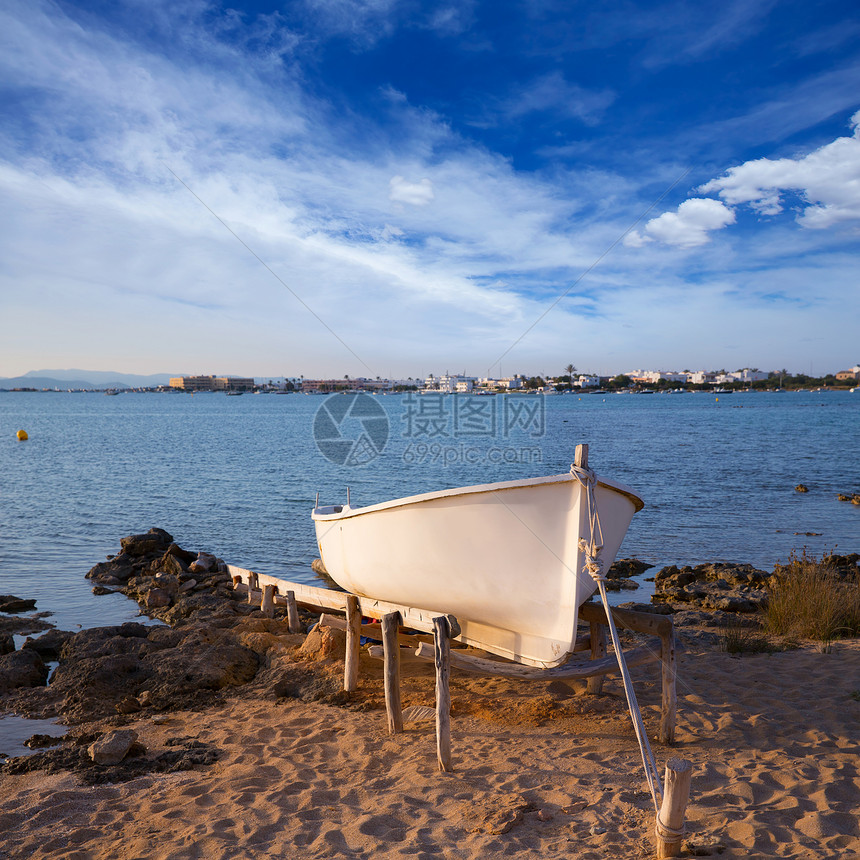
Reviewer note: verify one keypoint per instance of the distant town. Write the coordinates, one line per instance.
(570, 381)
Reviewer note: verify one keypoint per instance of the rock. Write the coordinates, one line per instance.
(157, 597)
(718, 585)
(128, 705)
(544, 815)
(170, 565)
(155, 540)
(7, 643)
(324, 643)
(183, 555)
(100, 590)
(626, 568)
(37, 741)
(188, 585)
(204, 563)
(22, 668)
(49, 645)
(801, 488)
(112, 748)
(113, 572)
(10, 603)
(654, 608)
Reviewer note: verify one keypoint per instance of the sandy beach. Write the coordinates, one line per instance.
(541, 770)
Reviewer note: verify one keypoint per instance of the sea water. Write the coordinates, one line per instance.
(237, 476)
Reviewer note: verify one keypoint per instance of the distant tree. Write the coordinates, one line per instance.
(570, 370)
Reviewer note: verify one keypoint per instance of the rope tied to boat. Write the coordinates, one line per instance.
(591, 549)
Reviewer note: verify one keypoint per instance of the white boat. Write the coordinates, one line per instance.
(505, 558)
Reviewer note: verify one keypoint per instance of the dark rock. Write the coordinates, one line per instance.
(7, 643)
(801, 488)
(169, 565)
(653, 608)
(183, 555)
(100, 590)
(73, 757)
(22, 669)
(10, 603)
(296, 682)
(626, 568)
(37, 741)
(719, 585)
(49, 645)
(155, 540)
(23, 626)
(117, 570)
(156, 598)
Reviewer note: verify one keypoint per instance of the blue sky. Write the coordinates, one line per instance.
(480, 186)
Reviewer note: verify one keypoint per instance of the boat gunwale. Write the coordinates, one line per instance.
(474, 489)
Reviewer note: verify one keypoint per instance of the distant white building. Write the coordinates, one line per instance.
(747, 375)
(588, 381)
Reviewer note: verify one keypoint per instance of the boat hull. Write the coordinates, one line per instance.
(503, 558)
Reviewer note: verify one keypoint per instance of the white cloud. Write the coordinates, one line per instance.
(827, 182)
(400, 190)
(687, 227)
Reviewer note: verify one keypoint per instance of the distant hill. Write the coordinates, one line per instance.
(100, 379)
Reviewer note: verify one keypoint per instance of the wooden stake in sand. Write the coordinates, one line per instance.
(442, 653)
(293, 613)
(598, 651)
(670, 696)
(353, 641)
(670, 820)
(267, 605)
(391, 651)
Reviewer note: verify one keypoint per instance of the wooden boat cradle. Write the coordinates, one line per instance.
(269, 591)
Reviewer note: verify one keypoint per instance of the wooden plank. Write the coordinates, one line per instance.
(598, 651)
(579, 670)
(642, 622)
(580, 458)
(391, 672)
(353, 642)
(442, 659)
(321, 599)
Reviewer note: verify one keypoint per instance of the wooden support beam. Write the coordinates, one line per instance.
(267, 604)
(598, 651)
(353, 641)
(295, 625)
(371, 631)
(669, 703)
(442, 659)
(670, 820)
(580, 458)
(391, 672)
(641, 622)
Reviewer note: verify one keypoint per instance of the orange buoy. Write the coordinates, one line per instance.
(22, 435)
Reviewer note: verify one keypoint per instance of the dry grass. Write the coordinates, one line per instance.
(811, 599)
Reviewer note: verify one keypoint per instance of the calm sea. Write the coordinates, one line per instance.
(238, 475)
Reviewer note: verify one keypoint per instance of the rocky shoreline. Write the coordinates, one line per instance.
(212, 644)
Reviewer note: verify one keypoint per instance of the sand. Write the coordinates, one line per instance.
(542, 771)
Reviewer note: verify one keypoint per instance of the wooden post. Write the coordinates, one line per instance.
(598, 650)
(267, 605)
(670, 697)
(253, 587)
(353, 640)
(293, 613)
(670, 821)
(580, 458)
(391, 649)
(442, 659)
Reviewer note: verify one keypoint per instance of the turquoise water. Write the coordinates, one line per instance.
(238, 475)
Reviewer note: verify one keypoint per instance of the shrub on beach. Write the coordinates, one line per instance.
(814, 599)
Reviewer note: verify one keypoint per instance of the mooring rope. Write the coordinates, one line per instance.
(594, 565)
